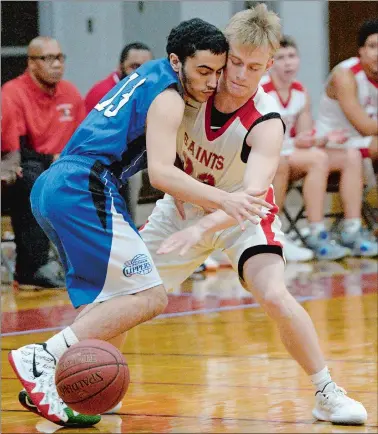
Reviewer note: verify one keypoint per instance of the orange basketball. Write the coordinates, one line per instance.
(92, 377)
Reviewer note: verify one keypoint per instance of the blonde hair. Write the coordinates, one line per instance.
(257, 27)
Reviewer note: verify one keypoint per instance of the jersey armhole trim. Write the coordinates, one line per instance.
(247, 149)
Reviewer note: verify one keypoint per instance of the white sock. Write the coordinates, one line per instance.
(60, 342)
(352, 225)
(316, 228)
(321, 379)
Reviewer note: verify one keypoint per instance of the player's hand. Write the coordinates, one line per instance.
(9, 175)
(10, 167)
(181, 241)
(246, 205)
(305, 139)
(180, 208)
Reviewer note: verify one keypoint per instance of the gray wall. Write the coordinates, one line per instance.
(90, 55)
(150, 22)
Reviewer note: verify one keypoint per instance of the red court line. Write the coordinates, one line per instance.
(53, 316)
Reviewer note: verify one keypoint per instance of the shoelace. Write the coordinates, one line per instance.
(338, 391)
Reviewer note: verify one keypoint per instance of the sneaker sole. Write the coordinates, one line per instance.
(338, 420)
(332, 258)
(359, 255)
(22, 397)
(28, 406)
(28, 386)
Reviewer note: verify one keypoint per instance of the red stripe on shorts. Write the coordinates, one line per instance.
(143, 226)
(266, 224)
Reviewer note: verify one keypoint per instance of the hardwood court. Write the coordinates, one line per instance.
(214, 363)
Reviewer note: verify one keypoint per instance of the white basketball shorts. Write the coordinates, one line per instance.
(239, 245)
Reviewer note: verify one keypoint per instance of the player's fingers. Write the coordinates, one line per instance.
(180, 208)
(256, 192)
(252, 218)
(185, 249)
(182, 211)
(258, 201)
(254, 196)
(255, 211)
(166, 246)
(240, 220)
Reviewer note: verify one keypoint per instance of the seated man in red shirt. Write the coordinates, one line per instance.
(40, 112)
(131, 58)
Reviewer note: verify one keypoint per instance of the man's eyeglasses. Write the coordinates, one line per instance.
(50, 58)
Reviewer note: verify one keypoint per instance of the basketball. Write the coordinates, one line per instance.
(92, 377)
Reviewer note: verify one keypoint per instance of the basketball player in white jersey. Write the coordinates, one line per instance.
(303, 155)
(350, 101)
(234, 142)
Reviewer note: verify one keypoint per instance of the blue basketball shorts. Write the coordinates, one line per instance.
(77, 203)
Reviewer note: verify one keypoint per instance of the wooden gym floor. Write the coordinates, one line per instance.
(213, 363)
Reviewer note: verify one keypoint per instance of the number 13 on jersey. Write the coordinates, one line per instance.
(109, 108)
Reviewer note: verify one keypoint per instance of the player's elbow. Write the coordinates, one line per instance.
(157, 177)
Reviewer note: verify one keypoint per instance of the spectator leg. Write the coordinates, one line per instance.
(349, 163)
(314, 163)
(373, 149)
(32, 245)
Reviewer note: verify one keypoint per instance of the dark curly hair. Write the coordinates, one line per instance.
(193, 35)
(368, 28)
(288, 41)
(132, 46)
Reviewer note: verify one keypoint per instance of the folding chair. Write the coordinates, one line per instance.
(147, 193)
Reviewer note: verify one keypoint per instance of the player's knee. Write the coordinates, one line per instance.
(319, 160)
(353, 159)
(276, 301)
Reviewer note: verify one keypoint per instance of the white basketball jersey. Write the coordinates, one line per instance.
(331, 116)
(219, 157)
(289, 109)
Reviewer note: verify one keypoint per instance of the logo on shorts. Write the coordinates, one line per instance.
(140, 264)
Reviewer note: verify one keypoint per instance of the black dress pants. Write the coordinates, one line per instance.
(32, 245)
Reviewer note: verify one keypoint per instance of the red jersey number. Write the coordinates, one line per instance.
(206, 178)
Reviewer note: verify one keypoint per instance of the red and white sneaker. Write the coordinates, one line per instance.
(35, 368)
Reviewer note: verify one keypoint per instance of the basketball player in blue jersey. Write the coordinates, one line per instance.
(109, 271)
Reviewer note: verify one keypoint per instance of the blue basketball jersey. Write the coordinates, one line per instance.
(113, 133)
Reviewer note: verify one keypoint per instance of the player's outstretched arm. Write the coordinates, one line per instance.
(345, 89)
(266, 142)
(163, 120)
